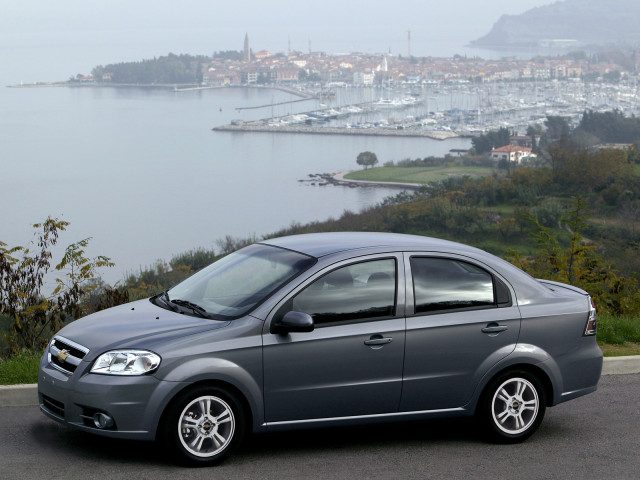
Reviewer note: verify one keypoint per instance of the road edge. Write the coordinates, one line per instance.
(26, 395)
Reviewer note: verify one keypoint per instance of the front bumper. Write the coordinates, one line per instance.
(135, 403)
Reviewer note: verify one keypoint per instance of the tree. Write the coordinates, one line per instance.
(36, 314)
(493, 139)
(164, 70)
(557, 127)
(367, 159)
(199, 74)
(610, 127)
(566, 256)
(228, 55)
(588, 171)
(535, 132)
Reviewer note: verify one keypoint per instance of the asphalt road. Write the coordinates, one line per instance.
(593, 437)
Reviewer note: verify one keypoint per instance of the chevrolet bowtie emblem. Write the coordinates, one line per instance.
(62, 355)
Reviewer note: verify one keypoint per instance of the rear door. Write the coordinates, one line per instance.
(461, 320)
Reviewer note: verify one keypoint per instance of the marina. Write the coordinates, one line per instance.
(438, 110)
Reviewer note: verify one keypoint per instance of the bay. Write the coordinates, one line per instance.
(142, 173)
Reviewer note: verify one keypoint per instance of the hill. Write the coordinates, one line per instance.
(568, 23)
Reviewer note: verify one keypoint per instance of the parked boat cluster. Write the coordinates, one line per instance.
(457, 109)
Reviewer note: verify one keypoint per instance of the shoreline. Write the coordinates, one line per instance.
(340, 180)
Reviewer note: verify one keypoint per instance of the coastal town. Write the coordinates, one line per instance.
(403, 95)
(366, 94)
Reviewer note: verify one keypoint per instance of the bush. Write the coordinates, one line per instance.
(548, 213)
(35, 313)
(195, 259)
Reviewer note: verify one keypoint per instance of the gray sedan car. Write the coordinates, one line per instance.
(323, 330)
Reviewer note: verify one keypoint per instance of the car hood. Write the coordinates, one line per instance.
(138, 324)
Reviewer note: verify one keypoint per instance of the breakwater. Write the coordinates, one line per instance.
(379, 132)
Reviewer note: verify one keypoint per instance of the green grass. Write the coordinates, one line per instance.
(623, 350)
(618, 330)
(417, 174)
(22, 368)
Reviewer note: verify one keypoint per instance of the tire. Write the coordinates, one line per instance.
(203, 426)
(512, 407)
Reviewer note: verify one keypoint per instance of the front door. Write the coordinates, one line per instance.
(351, 364)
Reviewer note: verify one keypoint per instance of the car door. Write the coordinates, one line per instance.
(351, 363)
(461, 321)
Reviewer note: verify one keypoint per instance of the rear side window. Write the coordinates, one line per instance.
(359, 291)
(447, 284)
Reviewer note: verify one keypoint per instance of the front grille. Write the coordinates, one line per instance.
(72, 348)
(54, 406)
(71, 356)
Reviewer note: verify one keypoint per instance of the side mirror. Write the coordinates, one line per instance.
(293, 322)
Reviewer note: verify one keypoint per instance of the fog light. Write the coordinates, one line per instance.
(102, 420)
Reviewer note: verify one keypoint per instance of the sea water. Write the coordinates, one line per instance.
(141, 172)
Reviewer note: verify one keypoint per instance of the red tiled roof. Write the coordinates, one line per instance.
(511, 148)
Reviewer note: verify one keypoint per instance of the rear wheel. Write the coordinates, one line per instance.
(512, 407)
(203, 426)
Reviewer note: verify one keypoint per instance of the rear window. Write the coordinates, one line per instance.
(447, 284)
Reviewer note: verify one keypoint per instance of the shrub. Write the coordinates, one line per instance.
(35, 313)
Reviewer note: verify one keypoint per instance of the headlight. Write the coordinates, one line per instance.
(126, 362)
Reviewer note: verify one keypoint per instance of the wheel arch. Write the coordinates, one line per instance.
(535, 370)
(212, 383)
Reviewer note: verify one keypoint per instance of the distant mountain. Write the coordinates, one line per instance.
(568, 23)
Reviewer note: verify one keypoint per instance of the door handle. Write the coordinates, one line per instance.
(494, 328)
(378, 340)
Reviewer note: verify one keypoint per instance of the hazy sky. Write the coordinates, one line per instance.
(78, 34)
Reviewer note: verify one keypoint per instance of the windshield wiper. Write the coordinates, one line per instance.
(197, 309)
(164, 298)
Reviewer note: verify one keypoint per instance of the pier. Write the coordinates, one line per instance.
(254, 127)
(274, 104)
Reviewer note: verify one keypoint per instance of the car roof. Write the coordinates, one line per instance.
(322, 244)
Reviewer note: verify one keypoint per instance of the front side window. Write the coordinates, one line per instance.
(359, 291)
(237, 283)
(447, 284)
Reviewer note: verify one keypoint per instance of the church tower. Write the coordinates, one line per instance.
(247, 51)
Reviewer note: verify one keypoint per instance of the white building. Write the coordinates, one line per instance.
(363, 78)
(512, 153)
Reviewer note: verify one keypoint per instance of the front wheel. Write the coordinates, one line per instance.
(204, 426)
(512, 407)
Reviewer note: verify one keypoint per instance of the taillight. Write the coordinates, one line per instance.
(591, 321)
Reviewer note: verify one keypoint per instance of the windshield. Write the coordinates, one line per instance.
(235, 284)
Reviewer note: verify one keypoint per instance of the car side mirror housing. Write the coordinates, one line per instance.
(293, 322)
